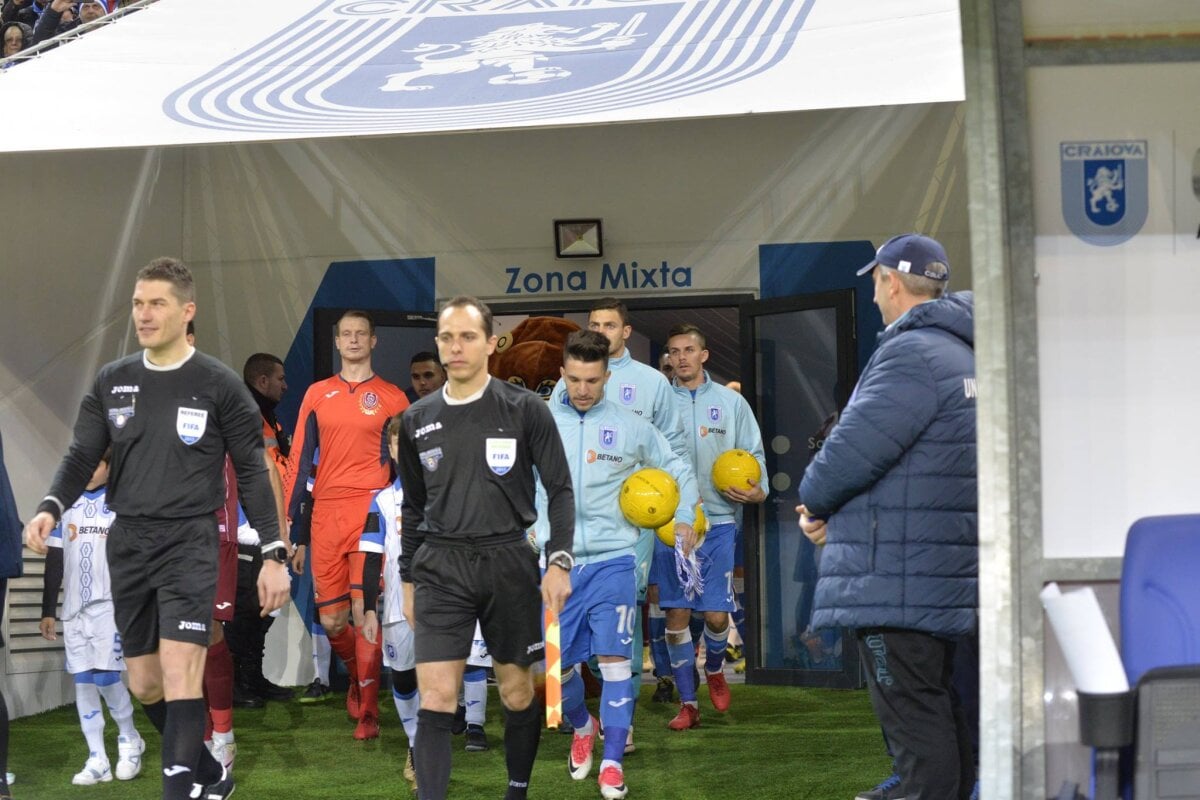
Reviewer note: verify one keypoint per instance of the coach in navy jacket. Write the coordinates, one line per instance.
(892, 495)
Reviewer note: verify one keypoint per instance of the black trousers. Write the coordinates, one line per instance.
(246, 633)
(909, 677)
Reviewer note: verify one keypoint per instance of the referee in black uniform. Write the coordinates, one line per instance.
(170, 414)
(467, 454)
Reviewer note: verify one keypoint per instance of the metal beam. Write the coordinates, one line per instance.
(1149, 50)
(1010, 538)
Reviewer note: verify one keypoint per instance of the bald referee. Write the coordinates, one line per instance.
(467, 455)
(170, 414)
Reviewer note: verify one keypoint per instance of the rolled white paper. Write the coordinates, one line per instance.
(1086, 641)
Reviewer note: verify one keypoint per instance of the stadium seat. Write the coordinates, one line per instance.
(1160, 594)
(1160, 627)
(1167, 745)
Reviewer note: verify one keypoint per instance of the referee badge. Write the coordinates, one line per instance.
(119, 416)
(501, 455)
(431, 458)
(190, 424)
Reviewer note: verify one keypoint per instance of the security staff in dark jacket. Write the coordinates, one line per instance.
(895, 482)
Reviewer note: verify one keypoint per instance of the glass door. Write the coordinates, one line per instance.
(799, 369)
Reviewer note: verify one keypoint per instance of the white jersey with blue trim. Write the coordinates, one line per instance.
(85, 562)
(386, 540)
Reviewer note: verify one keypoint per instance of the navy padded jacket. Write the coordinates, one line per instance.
(896, 478)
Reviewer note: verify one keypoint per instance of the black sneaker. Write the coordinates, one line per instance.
(889, 789)
(460, 721)
(476, 739)
(316, 692)
(244, 697)
(664, 692)
(265, 689)
(220, 790)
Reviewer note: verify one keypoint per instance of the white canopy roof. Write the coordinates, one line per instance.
(204, 71)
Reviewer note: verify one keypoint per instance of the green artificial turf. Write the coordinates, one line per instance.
(775, 742)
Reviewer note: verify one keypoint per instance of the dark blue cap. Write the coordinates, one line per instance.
(912, 253)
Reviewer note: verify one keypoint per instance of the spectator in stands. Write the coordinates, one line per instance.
(16, 37)
(59, 17)
(91, 10)
(26, 11)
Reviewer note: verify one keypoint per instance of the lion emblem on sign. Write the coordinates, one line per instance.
(522, 51)
(1102, 185)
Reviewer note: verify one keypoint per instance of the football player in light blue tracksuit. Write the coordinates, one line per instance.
(717, 419)
(639, 388)
(605, 444)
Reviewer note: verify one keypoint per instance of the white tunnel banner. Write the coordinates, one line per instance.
(180, 71)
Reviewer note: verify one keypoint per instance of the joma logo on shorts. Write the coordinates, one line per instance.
(184, 625)
(533, 648)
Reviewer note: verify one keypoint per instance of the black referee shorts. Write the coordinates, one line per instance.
(456, 581)
(164, 578)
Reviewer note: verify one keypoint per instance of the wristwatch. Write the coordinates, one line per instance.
(561, 559)
(275, 554)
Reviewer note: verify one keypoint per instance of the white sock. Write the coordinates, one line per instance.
(322, 652)
(407, 708)
(120, 705)
(91, 717)
(475, 697)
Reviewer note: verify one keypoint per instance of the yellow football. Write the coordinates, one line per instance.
(734, 468)
(666, 533)
(649, 498)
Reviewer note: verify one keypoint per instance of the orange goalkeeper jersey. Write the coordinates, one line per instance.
(342, 426)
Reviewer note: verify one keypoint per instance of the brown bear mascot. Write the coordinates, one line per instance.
(531, 354)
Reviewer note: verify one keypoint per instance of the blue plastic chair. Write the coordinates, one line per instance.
(1160, 603)
(1160, 594)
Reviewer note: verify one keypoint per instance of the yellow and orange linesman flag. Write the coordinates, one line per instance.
(553, 671)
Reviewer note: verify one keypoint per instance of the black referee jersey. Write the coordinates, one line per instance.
(467, 470)
(170, 429)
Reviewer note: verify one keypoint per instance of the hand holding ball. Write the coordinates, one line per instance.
(734, 469)
(666, 533)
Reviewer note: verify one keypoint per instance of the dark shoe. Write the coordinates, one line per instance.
(459, 726)
(316, 692)
(221, 790)
(888, 789)
(664, 692)
(243, 697)
(265, 689)
(476, 739)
